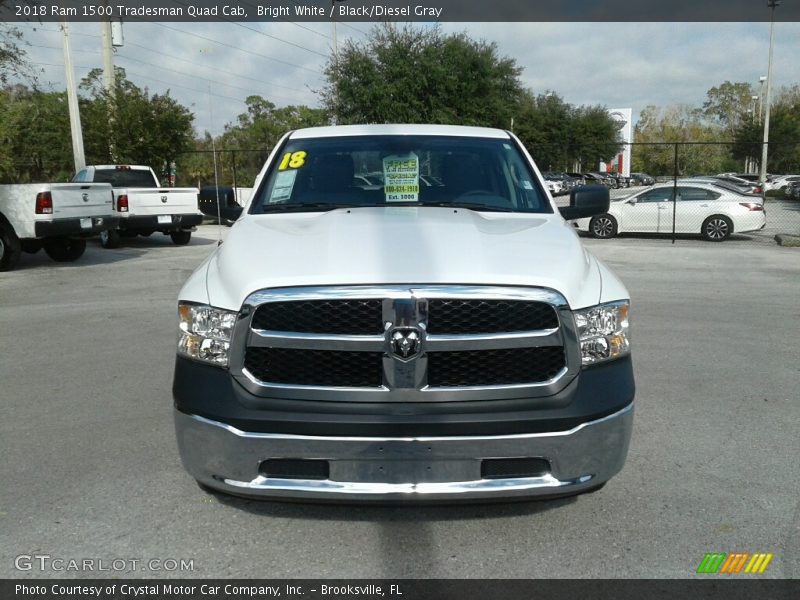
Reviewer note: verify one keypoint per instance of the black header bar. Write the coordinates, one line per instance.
(401, 10)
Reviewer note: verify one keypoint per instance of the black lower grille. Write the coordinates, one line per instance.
(459, 316)
(315, 367)
(494, 367)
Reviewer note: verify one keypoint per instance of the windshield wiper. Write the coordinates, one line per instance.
(470, 206)
(306, 207)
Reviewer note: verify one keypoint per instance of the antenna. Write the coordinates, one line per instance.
(216, 178)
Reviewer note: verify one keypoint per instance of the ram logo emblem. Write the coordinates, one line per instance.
(405, 343)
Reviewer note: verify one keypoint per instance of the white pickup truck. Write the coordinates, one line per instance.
(54, 216)
(143, 206)
(404, 341)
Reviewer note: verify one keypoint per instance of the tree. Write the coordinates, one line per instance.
(34, 136)
(255, 133)
(13, 61)
(700, 152)
(784, 134)
(141, 129)
(727, 105)
(413, 75)
(560, 135)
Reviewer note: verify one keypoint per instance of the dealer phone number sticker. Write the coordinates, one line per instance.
(401, 178)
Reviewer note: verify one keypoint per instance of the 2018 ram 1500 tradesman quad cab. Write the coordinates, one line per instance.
(405, 341)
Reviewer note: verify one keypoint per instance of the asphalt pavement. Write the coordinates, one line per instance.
(90, 468)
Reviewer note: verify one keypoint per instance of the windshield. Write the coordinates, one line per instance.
(391, 170)
(125, 178)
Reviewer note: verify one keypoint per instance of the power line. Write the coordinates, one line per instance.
(146, 77)
(204, 66)
(202, 37)
(249, 91)
(265, 34)
(197, 35)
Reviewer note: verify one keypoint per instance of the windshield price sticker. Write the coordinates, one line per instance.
(401, 178)
(283, 186)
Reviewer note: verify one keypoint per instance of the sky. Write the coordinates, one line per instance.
(212, 67)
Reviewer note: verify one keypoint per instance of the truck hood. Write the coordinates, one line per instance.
(401, 245)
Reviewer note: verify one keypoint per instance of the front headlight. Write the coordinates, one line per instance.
(205, 332)
(603, 332)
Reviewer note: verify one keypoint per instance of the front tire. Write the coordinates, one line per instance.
(10, 248)
(716, 228)
(64, 249)
(109, 238)
(181, 238)
(603, 226)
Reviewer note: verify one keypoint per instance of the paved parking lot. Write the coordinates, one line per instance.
(90, 467)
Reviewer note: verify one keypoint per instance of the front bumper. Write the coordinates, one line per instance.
(439, 468)
(73, 227)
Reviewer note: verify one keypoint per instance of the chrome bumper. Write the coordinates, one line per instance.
(414, 469)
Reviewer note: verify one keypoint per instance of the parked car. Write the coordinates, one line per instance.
(578, 178)
(56, 217)
(642, 179)
(600, 178)
(739, 185)
(792, 190)
(702, 208)
(567, 182)
(754, 186)
(781, 182)
(216, 201)
(144, 206)
(450, 342)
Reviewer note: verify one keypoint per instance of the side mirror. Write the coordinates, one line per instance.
(631, 200)
(231, 213)
(586, 201)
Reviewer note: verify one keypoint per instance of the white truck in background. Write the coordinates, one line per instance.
(56, 217)
(144, 206)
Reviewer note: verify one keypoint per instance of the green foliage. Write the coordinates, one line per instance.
(561, 136)
(418, 75)
(132, 126)
(35, 142)
(727, 105)
(784, 135)
(702, 154)
(13, 61)
(247, 143)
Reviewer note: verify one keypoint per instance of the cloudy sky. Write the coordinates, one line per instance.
(212, 67)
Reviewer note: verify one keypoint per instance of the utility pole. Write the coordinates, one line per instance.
(335, 71)
(772, 4)
(72, 100)
(109, 83)
(108, 56)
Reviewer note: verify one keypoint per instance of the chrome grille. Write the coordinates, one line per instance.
(404, 344)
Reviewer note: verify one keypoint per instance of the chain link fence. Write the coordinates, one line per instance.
(674, 190)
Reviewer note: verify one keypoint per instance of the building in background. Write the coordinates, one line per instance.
(622, 162)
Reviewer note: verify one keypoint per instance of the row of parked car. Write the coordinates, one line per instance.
(562, 182)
